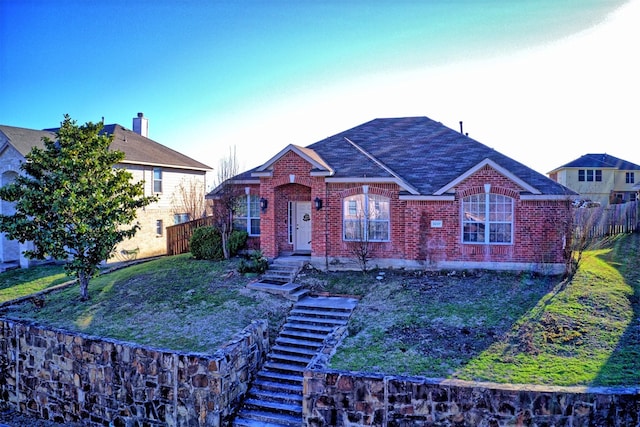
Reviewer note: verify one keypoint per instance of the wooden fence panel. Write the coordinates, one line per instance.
(178, 235)
(607, 220)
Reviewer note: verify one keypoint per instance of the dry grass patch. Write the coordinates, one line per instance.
(177, 303)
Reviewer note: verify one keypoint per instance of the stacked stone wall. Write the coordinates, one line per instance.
(64, 377)
(334, 398)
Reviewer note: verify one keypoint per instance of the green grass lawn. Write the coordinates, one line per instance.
(586, 331)
(18, 283)
(507, 328)
(501, 327)
(177, 303)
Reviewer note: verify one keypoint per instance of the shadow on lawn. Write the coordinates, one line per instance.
(624, 362)
(434, 324)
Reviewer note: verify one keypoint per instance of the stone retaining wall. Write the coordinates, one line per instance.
(65, 377)
(335, 398)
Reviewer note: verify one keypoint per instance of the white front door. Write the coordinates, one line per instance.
(302, 229)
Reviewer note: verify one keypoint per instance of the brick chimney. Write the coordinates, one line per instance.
(141, 125)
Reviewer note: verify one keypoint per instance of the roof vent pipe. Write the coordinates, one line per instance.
(461, 131)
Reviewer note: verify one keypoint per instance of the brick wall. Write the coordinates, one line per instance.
(540, 227)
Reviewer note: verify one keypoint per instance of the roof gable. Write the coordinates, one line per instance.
(317, 162)
(488, 162)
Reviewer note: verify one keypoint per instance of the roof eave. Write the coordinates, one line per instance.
(428, 197)
(373, 180)
(552, 197)
(165, 165)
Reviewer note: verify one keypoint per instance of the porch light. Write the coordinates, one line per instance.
(318, 203)
(263, 204)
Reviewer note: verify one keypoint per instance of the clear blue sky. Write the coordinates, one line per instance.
(543, 81)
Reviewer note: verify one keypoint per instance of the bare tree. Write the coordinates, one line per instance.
(359, 247)
(188, 198)
(225, 198)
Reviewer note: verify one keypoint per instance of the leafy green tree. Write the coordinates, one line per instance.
(72, 201)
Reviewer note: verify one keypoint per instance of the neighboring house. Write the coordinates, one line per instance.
(416, 193)
(162, 169)
(600, 178)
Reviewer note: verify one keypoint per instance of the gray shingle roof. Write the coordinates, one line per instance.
(24, 139)
(424, 153)
(137, 149)
(141, 150)
(600, 161)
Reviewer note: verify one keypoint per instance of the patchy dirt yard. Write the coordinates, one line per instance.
(427, 323)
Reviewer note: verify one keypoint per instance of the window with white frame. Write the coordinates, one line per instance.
(366, 217)
(487, 218)
(157, 180)
(159, 227)
(246, 215)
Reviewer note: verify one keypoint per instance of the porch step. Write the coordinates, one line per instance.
(279, 280)
(278, 386)
(9, 265)
(298, 351)
(255, 418)
(287, 379)
(313, 327)
(290, 359)
(294, 342)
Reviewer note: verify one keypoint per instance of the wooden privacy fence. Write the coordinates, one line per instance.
(607, 220)
(178, 235)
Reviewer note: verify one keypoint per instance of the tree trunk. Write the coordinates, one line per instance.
(83, 279)
(225, 243)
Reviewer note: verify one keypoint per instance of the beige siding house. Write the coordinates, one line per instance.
(600, 178)
(161, 168)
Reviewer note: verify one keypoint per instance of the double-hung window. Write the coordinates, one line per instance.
(246, 215)
(366, 218)
(157, 180)
(487, 219)
(590, 175)
(629, 177)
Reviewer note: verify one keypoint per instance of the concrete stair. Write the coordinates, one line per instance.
(275, 397)
(279, 279)
(9, 265)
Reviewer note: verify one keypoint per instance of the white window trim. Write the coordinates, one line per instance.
(154, 180)
(248, 217)
(487, 222)
(366, 219)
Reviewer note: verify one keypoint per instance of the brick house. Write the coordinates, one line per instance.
(600, 178)
(161, 168)
(419, 194)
